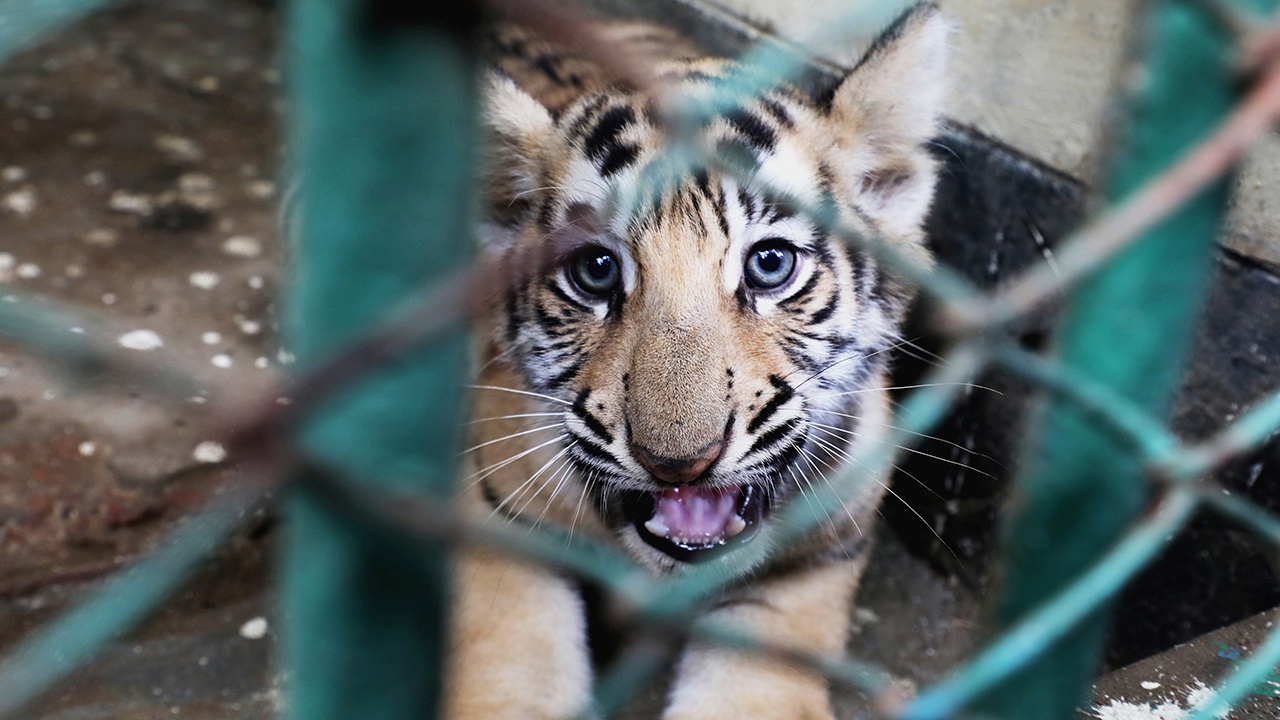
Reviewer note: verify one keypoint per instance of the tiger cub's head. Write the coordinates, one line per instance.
(700, 355)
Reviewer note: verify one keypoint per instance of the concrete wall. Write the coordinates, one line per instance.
(1039, 74)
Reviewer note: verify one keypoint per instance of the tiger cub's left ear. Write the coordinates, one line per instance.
(885, 112)
(518, 131)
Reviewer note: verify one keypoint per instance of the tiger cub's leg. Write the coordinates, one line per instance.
(518, 643)
(808, 610)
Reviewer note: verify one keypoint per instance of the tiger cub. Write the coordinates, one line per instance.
(692, 363)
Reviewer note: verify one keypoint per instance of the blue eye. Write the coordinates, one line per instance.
(595, 271)
(770, 264)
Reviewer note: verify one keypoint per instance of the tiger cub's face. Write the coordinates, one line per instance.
(697, 356)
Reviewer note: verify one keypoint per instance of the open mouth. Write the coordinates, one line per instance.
(693, 524)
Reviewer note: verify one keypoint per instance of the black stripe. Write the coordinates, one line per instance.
(779, 113)
(798, 354)
(514, 318)
(545, 318)
(754, 129)
(702, 181)
(722, 212)
(618, 159)
(593, 449)
(547, 64)
(773, 437)
(780, 211)
(588, 112)
(791, 452)
(785, 393)
(565, 297)
(593, 424)
(826, 311)
(747, 202)
(565, 375)
(547, 213)
(802, 293)
(562, 345)
(602, 144)
(694, 75)
(495, 502)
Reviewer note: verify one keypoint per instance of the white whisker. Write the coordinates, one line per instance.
(926, 436)
(828, 430)
(487, 471)
(891, 491)
(511, 498)
(972, 386)
(521, 433)
(516, 416)
(586, 486)
(562, 473)
(905, 448)
(548, 398)
(834, 493)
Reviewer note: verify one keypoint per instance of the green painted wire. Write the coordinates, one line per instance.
(1265, 658)
(119, 603)
(25, 23)
(1243, 681)
(1127, 420)
(1034, 634)
(1258, 425)
(70, 341)
(1250, 514)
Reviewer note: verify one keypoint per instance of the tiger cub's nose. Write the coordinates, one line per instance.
(677, 471)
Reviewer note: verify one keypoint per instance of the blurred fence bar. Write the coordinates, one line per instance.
(1129, 327)
(382, 122)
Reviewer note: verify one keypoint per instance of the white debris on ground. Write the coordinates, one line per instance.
(260, 189)
(179, 148)
(133, 203)
(105, 237)
(204, 279)
(242, 246)
(247, 326)
(254, 629)
(21, 202)
(140, 340)
(209, 452)
(1167, 709)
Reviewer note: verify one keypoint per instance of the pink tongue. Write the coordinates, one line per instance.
(696, 513)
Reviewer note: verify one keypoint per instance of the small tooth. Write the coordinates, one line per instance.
(656, 527)
(735, 526)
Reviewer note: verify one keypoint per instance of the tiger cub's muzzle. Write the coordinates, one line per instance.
(688, 520)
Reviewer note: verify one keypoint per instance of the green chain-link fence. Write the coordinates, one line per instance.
(382, 113)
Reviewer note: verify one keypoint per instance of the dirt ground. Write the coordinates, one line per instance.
(138, 156)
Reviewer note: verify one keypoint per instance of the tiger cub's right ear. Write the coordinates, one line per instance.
(518, 130)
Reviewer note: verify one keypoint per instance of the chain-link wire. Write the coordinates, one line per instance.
(340, 493)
